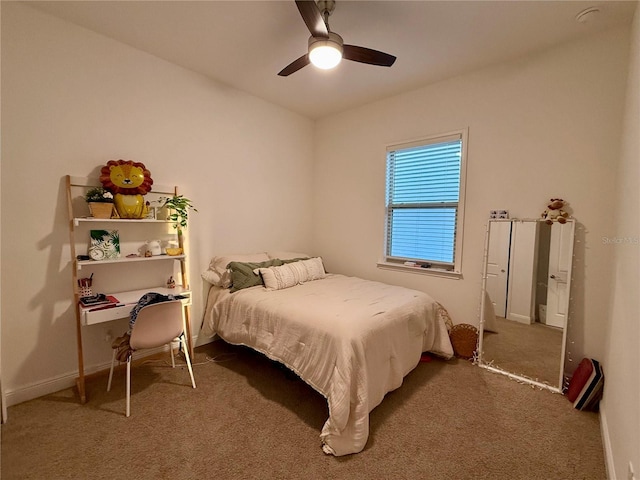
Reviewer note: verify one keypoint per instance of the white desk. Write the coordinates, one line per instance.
(126, 302)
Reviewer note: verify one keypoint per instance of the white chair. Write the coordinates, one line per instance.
(156, 325)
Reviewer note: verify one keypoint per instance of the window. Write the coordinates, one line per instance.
(425, 202)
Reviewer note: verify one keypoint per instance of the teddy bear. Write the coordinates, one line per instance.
(554, 212)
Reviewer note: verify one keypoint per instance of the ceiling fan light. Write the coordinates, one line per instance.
(325, 54)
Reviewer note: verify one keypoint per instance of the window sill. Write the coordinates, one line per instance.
(437, 272)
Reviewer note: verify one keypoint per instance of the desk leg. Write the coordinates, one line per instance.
(81, 390)
(187, 320)
(80, 380)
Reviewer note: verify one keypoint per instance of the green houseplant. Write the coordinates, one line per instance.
(98, 195)
(179, 207)
(100, 202)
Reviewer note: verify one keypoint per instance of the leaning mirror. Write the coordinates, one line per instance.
(525, 300)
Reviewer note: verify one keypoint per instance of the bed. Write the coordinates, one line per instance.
(352, 340)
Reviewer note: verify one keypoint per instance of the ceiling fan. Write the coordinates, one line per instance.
(326, 48)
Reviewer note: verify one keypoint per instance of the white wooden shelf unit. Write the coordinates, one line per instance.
(86, 316)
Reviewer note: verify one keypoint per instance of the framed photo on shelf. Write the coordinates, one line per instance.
(105, 244)
(152, 214)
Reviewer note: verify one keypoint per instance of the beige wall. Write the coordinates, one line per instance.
(541, 126)
(621, 406)
(71, 101)
(545, 125)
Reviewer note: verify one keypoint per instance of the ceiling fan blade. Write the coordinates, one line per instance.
(294, 66)
(367, 55)
(312, 18)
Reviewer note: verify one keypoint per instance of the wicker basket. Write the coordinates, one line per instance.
(464, 338)
(101, 210)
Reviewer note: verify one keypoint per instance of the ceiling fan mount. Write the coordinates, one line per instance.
(325, 48)
(326, 8)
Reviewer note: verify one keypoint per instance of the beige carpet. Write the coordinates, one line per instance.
(250, 418)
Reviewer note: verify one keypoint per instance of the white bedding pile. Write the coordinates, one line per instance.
(352, 340)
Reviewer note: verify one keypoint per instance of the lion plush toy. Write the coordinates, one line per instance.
(554, 212)
(128, 181)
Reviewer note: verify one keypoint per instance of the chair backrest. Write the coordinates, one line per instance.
(157, 324)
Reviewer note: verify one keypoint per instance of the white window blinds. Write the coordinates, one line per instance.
(423, 196)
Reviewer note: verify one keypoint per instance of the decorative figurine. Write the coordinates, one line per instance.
(554, 212)
(128, 181)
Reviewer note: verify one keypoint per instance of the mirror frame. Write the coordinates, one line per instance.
(480, 361)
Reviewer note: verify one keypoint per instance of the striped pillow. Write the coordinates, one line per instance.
(291, 274)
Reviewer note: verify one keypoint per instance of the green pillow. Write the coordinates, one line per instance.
(242, 275)
(291, 260)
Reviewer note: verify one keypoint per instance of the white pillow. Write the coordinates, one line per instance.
(218, 275)
(212, 277)
(291, 274)
(287, 255)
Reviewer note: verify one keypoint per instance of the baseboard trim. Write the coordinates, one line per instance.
(35, 390)
(606, 442)
(62, 382)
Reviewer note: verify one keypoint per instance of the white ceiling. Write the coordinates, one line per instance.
(245, 44)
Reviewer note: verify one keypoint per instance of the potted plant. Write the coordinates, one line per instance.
(100, 202)
(179, 207)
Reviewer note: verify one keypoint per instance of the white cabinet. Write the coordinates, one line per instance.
(128, 277)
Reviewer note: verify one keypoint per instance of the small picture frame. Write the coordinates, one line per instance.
(499, 214)
(152, 214)
(104, 244)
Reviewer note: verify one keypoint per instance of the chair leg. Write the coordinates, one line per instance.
(186, 356)
(129, 385)
(173, 359)
(113, 361)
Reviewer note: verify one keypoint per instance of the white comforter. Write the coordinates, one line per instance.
(352, 340)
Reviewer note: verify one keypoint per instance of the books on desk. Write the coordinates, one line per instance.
(99, 301)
